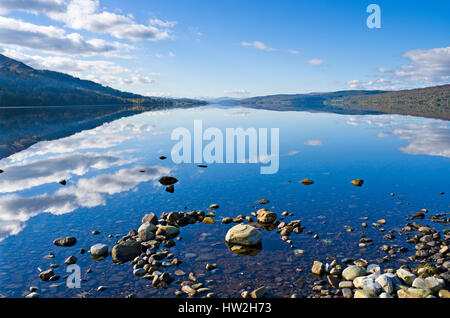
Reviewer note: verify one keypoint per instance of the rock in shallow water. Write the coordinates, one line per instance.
(126, 251)
(99, 250)
(167, 180)
(266, 217)
(71, 260)
(317, 268)
(244, 234)
(168, 231)
(146, 231)
(65, 241)
(357, 182)
(46, 275)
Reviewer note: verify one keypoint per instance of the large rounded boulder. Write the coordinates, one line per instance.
(244, 234)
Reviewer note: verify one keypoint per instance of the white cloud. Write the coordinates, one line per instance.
(425, 68)
(65, 64)
(195, 31)
(426, 65)
(315, 62)
(293, 153)
(163, 24)
(258, 45)
(237, 92)
(87, 15)
(32, 6)
(313, 142)
(158, 94)
(106, 72)
(294, 52)
(237, 113)
(379, 84)
(52, 39)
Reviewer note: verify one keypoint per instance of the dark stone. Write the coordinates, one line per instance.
(166, 180)
(65, 241)
(418, 215)
(71, 260)
(170, 189)
(126, 251)
(152, 218)
(46, 275)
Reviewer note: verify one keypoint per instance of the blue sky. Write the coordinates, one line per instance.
(238, 48)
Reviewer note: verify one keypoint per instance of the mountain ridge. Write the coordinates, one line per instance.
(22, 85)
(433, 102)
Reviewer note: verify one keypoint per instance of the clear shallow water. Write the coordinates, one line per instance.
(107, 192)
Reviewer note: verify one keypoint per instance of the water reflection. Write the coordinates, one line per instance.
(16, 210)
(424, 136)
(19, 177)
(244, 250)
(113, 171)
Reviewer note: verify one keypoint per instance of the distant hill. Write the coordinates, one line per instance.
(426, 102)
(22, 85)
(433, 102)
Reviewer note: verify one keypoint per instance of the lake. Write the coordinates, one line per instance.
(112, 174)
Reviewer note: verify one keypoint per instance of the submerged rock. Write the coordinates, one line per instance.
(357, 182)
(307, 182)
(65, 241)
(214, 206)
(244, 234)
(245, 250)
(263, 201)
(209, 220)
(418, 215)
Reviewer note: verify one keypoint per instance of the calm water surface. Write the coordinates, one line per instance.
(106, 191)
